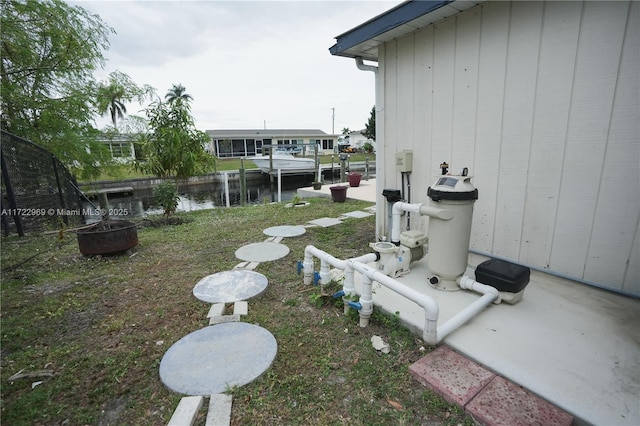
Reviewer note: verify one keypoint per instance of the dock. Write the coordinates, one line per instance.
(122, 190)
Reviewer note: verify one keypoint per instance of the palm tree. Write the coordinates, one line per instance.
(110, 100)
(177, 91)
(116, 109)
(113, 92)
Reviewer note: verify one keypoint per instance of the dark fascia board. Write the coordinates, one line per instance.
(399, 15)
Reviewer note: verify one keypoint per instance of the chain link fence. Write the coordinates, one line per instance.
(38, 192)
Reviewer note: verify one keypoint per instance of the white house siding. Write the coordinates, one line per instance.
(540, 100)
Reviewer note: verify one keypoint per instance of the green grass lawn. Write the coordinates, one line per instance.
(87, 334)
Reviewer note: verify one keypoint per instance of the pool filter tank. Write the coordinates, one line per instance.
(449, 239)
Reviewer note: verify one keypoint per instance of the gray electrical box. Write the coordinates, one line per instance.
(404, 160)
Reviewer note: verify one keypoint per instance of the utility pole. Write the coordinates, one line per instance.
(333, 121)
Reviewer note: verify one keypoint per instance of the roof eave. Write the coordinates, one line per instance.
(394, 18)
(363, 40)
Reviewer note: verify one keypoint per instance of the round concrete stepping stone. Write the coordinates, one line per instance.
(285, 231)
(230, 286)
(262, 252)
(213, 359)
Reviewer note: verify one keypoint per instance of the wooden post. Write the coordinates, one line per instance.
(243, 184)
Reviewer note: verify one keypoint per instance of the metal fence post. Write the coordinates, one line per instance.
(12, 197)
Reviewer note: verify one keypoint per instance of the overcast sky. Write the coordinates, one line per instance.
(245, 63)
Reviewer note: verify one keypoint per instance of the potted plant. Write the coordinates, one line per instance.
(338, 193)
(354, 179)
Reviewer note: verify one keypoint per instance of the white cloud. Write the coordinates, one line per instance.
(244, 62)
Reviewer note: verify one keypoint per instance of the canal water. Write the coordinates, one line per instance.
(195, 197)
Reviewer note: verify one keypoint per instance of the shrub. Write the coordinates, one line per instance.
(167, 196)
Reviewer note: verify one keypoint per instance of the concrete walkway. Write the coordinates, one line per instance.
(573, 345)
(366, 191)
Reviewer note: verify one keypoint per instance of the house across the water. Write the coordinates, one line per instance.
(227, 143)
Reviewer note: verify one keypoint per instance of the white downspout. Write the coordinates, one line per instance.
(361, 66)
(381, 227)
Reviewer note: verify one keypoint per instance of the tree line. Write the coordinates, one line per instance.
(48, 93)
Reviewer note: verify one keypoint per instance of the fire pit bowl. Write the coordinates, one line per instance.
(107, 237)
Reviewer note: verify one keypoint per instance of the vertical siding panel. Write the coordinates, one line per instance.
(520, 84)
(381, 142)
(556, 154)
(632, 276)
(597, 62)
(558, 48)
(491, 73)
(405, 89)
(443, 69)
(391, 114)
(619, 197)
(422, 110)
(465, 89)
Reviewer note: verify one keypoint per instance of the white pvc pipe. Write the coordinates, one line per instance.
(349, 285)
(427, 303)
(325, 274)
(279, 185)
(226, 188)
(489, 295)
(430, 306)
(324, 257)
(400, 207)
(432, 334)
(366, 301)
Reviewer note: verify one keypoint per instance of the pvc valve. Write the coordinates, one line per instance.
(355, 305)
(338, 294)
(299, 266)
(316, 277)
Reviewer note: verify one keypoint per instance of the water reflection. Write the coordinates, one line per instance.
(192, 198)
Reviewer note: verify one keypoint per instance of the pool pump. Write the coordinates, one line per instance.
(395, 259)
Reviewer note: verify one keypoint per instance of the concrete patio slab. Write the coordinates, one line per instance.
(574, 345)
